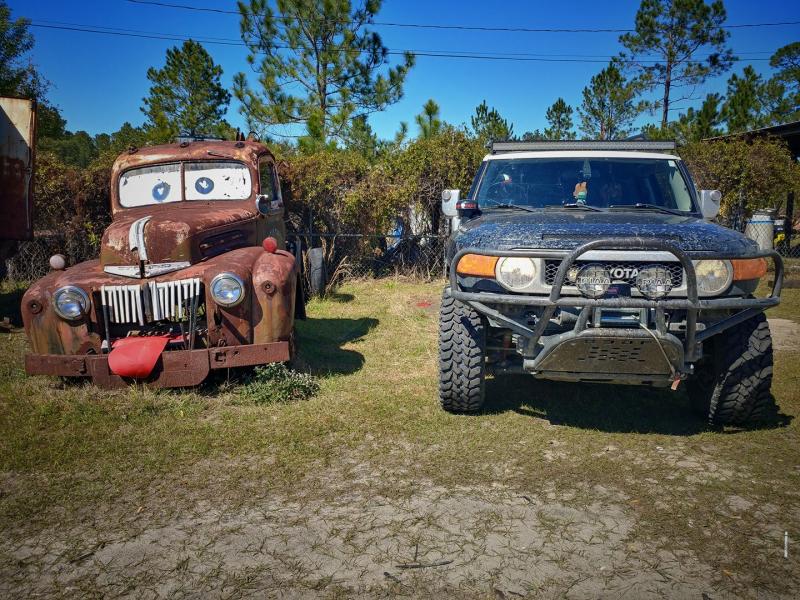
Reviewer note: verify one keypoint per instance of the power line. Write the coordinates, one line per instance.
(456, 27)
(522, 57)
(238, 41)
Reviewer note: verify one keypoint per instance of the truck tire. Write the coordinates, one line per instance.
(734, 384)
(462, 356)
(316, 271)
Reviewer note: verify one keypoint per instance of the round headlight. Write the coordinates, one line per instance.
(70, 302)
(654, 282)
(227, 289)
(593, 281)
(515, 273)
(713, 276)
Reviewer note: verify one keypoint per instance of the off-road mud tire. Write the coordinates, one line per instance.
(462, 356)
(734, 382)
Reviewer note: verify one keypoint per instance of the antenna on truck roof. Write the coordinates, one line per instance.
(545, 145)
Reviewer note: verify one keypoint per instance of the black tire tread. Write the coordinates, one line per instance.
(462, 356)
(736, 384)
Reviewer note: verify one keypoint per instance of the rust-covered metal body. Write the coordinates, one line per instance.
(156, 268)
(17, 134)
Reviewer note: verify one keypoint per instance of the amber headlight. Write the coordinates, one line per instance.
(516, 273)
(70, 302)
(713, 276)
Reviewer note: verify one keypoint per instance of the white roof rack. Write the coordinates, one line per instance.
(550, 145)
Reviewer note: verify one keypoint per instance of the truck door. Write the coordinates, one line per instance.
(17, 130)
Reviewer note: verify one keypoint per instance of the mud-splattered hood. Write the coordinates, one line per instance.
(567, 229)
(185, 234)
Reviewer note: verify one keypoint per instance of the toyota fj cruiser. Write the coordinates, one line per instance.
(598, 261)
(192, 274)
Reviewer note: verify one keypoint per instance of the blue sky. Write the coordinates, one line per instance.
(98, 81)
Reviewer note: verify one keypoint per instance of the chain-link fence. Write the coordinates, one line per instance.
(329, 257)
(768, 229)
(31, 259)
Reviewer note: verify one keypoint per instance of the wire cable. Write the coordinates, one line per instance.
(457, 27)
(424, 53)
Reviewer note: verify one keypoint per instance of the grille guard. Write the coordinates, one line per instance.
(692, 304)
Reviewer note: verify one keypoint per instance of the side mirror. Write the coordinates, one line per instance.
(450, 200)
(709, 203)
(263, 204)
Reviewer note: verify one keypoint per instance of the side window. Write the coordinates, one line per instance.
(267, 180)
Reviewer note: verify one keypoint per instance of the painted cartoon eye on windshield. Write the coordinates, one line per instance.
(157, 184)
(217, 180)
(204, 185)
(160, 191)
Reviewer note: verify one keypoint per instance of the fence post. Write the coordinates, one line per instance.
(787, 226)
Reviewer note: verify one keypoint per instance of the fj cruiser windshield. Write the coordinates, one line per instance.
(595, 182)
(206, 180)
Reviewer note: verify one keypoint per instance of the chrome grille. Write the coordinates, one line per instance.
(124, 303)
(164, 300)
(630, 269)
(168, 299)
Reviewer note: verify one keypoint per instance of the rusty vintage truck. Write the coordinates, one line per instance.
(193, 274)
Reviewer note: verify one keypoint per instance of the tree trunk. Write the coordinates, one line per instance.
(667, 85)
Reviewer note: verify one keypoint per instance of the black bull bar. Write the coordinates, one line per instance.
(692, 304)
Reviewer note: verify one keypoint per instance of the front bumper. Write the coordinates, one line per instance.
(175, 368)
(689, 347)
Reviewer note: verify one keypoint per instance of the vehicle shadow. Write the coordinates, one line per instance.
(340, 297)
(320, 344)
(609, 408)
(10, 305)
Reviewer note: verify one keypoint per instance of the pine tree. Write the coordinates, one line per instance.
(559, 119)
(608, 107)
(186, 96)
(318, 66)
(786, 61)
(488, 125)
(532, 136)
(674, 31)
(16, 41)
(428, 120)
(752, 102)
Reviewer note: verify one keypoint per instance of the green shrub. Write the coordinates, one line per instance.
(758, 172)
(275, 382)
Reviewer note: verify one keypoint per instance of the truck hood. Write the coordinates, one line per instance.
(180, 236)
(568, 229)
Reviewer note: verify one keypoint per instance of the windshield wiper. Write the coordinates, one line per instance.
(513, 206)
(643, 206)
(573, 206)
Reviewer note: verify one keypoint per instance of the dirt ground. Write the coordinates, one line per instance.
(369, 490)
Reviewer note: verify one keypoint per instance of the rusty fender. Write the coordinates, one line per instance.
(274, 289)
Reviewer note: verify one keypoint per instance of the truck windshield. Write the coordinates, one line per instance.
(205, 180)
(597, 182)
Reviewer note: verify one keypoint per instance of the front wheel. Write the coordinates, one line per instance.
(734, 382)
(462, 356)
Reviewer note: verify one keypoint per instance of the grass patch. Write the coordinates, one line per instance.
(278, 383)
